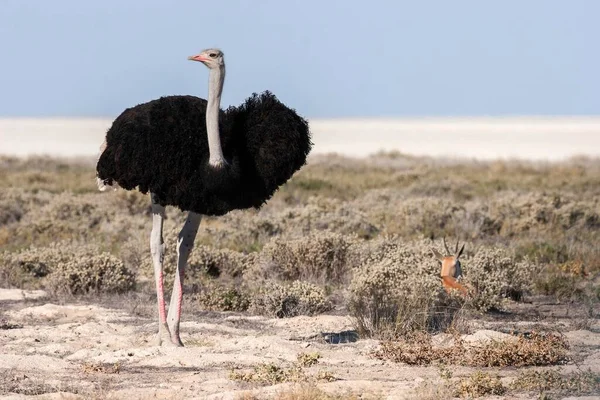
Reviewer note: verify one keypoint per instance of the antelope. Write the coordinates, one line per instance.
(451, 270)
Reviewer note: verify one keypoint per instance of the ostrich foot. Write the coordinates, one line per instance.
(164, 337)
(176, 340)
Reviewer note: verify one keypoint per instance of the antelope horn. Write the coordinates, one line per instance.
(437, 254)
(459, 252)
(446, 246)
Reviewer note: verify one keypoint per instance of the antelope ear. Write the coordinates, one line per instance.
(437, 254)
(459, 252)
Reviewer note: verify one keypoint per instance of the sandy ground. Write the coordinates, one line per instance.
(95, 351)
(482, 138)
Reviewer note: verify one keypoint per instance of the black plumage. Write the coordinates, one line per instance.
(161, 147)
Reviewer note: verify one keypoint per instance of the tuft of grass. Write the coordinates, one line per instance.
(269, 374)
(101, 368)
(308, 359)
(479, 384)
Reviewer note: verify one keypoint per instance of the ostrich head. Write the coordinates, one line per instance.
(212, 58)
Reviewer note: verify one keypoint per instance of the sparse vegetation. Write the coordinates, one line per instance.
(352, 236)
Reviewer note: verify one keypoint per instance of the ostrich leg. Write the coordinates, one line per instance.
(185, 242)
(157, 249)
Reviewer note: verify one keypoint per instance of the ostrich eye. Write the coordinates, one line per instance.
(212, 55)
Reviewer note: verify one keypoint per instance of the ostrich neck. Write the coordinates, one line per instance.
(216, 78)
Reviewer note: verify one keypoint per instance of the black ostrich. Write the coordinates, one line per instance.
(188, 153)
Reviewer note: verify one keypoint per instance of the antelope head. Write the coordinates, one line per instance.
(451, 268)
(450, 262)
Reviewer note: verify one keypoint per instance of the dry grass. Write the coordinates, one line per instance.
(312, 392)
(547, 382)
(536, 349)
(479, 384)
(271, 374)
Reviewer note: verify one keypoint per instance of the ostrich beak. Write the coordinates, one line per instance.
(197, 58)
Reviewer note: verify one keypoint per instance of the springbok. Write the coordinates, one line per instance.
(451, 270)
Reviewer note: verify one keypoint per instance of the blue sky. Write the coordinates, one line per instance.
(326, 58)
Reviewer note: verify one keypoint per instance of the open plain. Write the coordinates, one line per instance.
(330, 291)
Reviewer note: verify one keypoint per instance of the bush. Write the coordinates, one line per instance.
(398, 290)
(101, 273)
(289, 300)
(495, 275)
(319, 257)
(66, 268)
(216, 297)
(536, 349)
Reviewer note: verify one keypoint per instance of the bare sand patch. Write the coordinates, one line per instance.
(89, 351)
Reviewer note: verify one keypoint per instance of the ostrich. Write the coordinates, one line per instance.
(188, 153)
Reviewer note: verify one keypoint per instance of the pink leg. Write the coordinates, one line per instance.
(185, 242)
(157, 248)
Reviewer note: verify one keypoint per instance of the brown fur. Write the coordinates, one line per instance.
(451, 269)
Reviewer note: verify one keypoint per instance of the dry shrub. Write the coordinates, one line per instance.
(65, 217)
(479, 384)
(417, 349)
(101, 273)
(319, 257)
(324, 214)
(284, 300)
(215, 296)
(10, 212)
(66, 268)
(396, 214)
(495, 275)
(398, 290)
(243, 231)
(536, 349)
(518, 213)
(577, 383)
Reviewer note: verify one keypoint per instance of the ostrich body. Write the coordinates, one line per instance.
(190, 154)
